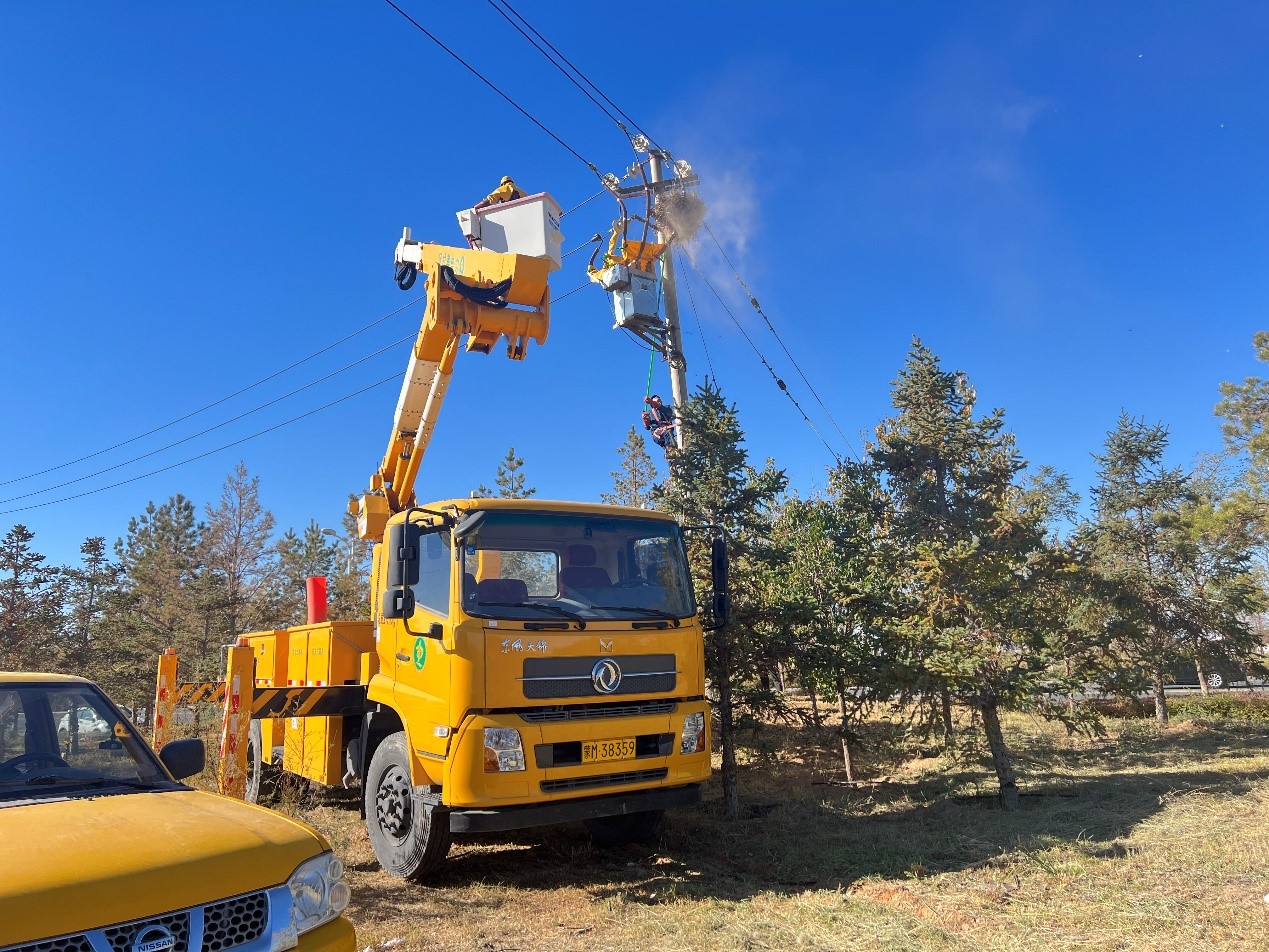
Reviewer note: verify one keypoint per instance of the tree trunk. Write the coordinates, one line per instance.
(1160, 701)
(1000, 757)
(1202, 677)
(949, 735)
(848, 762)
(726, 732)
(808, 685)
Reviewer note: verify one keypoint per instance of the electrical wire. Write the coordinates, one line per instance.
(569, 63)
(475, 72)
(589, 241)
(774, 376)
(215, 403)
(192, 459)
(691, 298)
(602, 191)
(210, 429)
(753, 300)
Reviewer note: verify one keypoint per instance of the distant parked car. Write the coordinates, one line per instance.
(1219, 674)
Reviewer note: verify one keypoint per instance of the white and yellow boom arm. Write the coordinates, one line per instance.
(480, 294)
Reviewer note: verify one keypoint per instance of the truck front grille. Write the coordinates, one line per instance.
(571, 677)
(225, 925)
(604, 780)
(585, 712)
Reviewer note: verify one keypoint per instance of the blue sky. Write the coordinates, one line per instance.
(1068, 202)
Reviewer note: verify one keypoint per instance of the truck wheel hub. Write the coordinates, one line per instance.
(392, 803)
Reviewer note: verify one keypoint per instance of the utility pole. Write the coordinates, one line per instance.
(673, 335)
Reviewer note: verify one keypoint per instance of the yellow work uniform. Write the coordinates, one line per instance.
(504, 193)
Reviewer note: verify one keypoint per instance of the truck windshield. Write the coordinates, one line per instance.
(555, 566)
(60, 736)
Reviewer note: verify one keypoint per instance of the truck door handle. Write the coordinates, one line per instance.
(401, 657)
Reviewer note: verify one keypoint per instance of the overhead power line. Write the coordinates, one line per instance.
(753, 300)
(193, 459)
(560, 61)
(213, 428)
(215, 403)
(774, 376)
(488, 82)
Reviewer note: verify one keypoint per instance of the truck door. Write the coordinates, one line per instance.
(422, 670)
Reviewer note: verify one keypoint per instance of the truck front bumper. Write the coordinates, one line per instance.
(567, 811)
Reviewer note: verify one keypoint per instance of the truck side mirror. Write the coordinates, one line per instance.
(398, 603)
(719, 565)
(719, 571)
(403, 554)
(184, 758)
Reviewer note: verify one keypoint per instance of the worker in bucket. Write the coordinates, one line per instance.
(660, 420)
(505, 192)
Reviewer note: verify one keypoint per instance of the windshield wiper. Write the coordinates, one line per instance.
(650, 612)
(562, 612)
(52, 780)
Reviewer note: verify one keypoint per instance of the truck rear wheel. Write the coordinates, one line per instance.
(410, 838)
(644, 828)
(255, 762)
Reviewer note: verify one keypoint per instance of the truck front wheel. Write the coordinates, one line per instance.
(410, 838)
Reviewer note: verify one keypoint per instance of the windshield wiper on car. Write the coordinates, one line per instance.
(53, 780)
(638, 609)
(562, 612)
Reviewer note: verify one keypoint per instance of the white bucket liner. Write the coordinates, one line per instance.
(527, 226)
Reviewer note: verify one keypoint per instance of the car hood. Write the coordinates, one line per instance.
(85, 862)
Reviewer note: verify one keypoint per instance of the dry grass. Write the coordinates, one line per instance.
(1138, 841)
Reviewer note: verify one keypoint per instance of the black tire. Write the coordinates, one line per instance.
(645, 828)
(255, 762)
(410, 839)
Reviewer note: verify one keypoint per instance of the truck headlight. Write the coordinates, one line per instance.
(504, 750)
(693, 734)
(318, 895)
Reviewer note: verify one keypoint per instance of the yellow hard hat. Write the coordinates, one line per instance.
(506, 180)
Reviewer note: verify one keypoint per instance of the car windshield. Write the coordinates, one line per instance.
(60, 736)
(560, 568)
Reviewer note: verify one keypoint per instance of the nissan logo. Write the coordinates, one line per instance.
(154, 939)
(606, 675)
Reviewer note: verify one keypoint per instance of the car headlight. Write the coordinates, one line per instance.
(693, 734)
(504, 750)
(318, 895)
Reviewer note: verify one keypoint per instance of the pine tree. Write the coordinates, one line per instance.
(509, 480)
(159, 562)
(715, 484)
(238, 557)
(91, 588)
(28, 604)
(634, 476)
(984, 594)
(1176, 577)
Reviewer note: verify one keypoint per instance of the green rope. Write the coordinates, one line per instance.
(652, 356)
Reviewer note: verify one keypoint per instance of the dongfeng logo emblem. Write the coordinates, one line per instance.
(606, 676)
(154, 939)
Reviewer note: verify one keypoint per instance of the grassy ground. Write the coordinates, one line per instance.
(1137, 841)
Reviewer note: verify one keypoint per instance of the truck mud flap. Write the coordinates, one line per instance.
(588, 808)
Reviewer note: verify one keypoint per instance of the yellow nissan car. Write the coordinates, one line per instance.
(104, 850)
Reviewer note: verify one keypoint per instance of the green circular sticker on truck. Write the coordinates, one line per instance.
(420, 653)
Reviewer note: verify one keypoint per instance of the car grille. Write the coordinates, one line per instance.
(604, 780)
(235, 922)
(225, 925)
(585, 712)
(122, 938)
(571, 677)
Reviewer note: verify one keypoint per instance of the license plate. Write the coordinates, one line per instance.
(594, 751)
